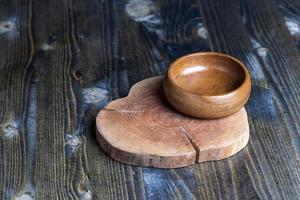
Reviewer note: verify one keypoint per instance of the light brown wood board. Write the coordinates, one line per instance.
(143, 129)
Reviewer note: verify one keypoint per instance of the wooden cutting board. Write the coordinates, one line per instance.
(142, 129)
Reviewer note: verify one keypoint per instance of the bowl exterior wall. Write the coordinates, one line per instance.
(207, 107)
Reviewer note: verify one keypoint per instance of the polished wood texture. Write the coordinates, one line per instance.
(61, 61)
(207, 85)
(142, 129)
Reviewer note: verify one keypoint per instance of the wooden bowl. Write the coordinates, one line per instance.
(207, 85)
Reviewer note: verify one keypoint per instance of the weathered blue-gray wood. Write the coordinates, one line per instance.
(62, 61)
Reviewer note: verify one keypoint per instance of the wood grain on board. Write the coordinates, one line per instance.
(142, 129)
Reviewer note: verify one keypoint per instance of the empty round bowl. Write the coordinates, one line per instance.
(207, 85)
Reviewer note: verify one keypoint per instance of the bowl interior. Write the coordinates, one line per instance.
(207, 74)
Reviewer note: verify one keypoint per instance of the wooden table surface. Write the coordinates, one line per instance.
(61, 61)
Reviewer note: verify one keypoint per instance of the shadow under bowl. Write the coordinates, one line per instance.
(207, 85)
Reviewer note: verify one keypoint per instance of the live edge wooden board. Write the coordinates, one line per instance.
(142, 129)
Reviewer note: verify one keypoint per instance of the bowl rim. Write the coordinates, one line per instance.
(242, 65)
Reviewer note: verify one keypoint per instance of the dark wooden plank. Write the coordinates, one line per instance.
(15, 74)
(61, 169)
(94, 30)
(103, 77)
(171, 184)
(176, 28)
(260, 170)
